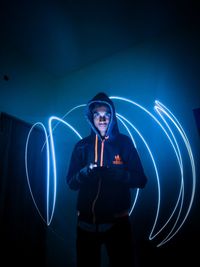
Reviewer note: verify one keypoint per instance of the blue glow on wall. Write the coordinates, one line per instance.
(176, 138)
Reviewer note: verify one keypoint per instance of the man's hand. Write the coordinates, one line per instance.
(91, 166)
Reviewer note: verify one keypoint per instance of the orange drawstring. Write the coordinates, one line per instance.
(96, 149)
(102, 150)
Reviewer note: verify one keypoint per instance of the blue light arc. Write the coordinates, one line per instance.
(27, 169)
(159, 107)
(163, 113)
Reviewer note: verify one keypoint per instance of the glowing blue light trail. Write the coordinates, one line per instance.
(26, 165)
(160, 109)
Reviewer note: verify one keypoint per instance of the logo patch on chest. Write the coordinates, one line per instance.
(117, 160)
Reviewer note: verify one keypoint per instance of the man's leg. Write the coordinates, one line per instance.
(119, 244)
(88, 247)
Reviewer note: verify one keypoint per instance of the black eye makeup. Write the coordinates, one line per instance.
(97, 115)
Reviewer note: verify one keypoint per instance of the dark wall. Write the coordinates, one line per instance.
(21, 229)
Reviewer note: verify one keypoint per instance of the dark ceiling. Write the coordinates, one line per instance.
(61, 36)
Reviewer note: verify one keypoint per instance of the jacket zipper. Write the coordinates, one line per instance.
(100, 180)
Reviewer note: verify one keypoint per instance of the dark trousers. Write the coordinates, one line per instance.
(117, 240)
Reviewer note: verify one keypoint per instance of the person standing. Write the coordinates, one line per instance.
(104, 167)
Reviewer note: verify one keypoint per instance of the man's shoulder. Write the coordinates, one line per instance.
(124, 137)
(83, 141)
(126, 142)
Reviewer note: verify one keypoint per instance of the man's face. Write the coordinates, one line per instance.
(101, 118)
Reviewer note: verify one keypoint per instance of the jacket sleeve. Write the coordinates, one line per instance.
(77, 171)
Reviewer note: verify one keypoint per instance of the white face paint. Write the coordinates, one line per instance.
(101, 118)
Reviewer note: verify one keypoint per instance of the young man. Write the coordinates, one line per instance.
(104, 167)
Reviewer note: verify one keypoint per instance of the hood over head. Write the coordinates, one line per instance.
(102, 98)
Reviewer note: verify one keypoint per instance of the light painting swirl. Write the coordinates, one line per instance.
(165, 118)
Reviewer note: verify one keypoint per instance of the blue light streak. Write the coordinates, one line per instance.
(54, 162)
(151, 155)
(162, 111)
(160, 108)
(26, 164)
(155, 168)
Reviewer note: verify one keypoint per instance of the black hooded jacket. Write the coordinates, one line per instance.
(104, 191)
